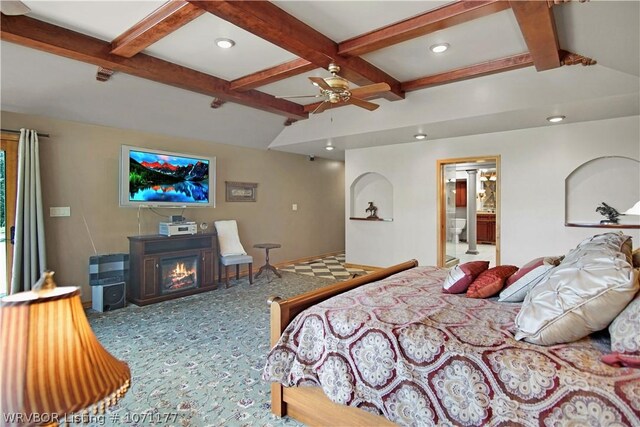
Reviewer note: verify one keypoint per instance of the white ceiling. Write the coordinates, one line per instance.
(40, 83)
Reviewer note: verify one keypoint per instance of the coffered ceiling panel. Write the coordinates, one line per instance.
(470, 44)
(101, 19)
(342, 20)
(193, 46)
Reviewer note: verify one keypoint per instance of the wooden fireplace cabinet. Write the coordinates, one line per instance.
(146, 254)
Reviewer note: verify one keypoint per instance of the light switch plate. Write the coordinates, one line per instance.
(294, 207)
(60, 211)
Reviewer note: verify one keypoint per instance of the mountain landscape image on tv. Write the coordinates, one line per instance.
(156, 177)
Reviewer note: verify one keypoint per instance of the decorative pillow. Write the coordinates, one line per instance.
(616, 241)
(461, 276)
(490, 282)
(591, 286)
(519, 284)
(635, 257)
(625, 329)
(228, 238)
(618, 359)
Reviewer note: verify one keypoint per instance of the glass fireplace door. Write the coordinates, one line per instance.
(178, 273)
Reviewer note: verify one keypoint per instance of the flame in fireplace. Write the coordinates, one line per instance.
(180, 270)
(180, 277)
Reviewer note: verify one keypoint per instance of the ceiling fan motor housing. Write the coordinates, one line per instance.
(337, 83)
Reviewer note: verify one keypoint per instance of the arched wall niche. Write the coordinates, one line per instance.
(371, 187)
(614, 180)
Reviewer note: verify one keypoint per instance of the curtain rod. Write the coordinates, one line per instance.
(42, 135)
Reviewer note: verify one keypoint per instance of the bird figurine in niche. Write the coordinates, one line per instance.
(372, 210)
(611, 213)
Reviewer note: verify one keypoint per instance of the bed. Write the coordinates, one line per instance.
(392, 348)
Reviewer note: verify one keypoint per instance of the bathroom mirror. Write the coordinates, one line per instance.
(468, 210)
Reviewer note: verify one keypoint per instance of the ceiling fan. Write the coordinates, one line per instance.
(335, 89)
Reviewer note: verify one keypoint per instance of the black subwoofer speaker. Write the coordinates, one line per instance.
(108, 297)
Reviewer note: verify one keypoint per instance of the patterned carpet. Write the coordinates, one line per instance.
(330, 267)
(197, 360)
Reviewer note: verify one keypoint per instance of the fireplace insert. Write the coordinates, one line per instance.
(178, 273)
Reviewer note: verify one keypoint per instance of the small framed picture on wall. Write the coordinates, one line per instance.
(240, 191)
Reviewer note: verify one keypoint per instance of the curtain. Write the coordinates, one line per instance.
(29, 257)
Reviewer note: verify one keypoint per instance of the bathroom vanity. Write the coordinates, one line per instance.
(486, 228)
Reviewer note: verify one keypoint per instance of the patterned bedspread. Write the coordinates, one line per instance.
(402, 348)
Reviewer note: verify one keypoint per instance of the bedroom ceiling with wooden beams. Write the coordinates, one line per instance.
(154, 66)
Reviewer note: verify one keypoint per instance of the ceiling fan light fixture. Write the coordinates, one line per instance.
(556, 119)
(223, 43)
(439, 47)
(420, 136)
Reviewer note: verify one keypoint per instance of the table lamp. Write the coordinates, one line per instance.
(51, 363)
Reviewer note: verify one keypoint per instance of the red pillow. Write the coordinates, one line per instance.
(490, 281)
(461, 276)
(546, 262)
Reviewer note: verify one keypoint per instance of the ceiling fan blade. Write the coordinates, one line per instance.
(319, 81)
(362, 103)
(369, 90)
(300, 96)
(14, 7)
(320, 108)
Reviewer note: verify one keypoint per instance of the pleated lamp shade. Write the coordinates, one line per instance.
(51, 362)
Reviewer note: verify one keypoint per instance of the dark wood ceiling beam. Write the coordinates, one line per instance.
(538, 28)
(426, 23)
(47, 37)
(478, 70)
(161, 22)
(274, 74)
(269, 22)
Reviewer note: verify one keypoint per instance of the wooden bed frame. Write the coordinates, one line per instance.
(310, 405)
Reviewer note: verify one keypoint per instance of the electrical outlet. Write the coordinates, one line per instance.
(60, 211)
(294, 207)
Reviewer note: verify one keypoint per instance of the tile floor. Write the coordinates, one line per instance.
(487, 253)
(330, 267)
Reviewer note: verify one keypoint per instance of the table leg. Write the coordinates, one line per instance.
(268, 266)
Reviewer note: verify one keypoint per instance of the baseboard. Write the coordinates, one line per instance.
(363, 267)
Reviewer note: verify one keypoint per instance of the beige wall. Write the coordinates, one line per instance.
(80, 167)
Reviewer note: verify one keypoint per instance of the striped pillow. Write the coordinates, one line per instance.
(461, 276)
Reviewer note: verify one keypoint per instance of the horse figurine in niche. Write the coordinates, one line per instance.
(374, 211)
(611, 213)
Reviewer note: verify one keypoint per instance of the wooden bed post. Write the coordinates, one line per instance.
(278, 406)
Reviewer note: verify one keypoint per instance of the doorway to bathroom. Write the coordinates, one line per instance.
(468, 210)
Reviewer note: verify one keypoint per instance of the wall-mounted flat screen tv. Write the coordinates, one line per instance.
(151, 177)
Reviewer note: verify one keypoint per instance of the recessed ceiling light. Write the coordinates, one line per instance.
(420, 136)
(439, 48)
(225, 43)
(329, 147)
(556, 119)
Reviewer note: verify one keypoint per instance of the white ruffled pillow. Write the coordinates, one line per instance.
(591, 286)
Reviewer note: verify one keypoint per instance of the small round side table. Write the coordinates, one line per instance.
(267, 266)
